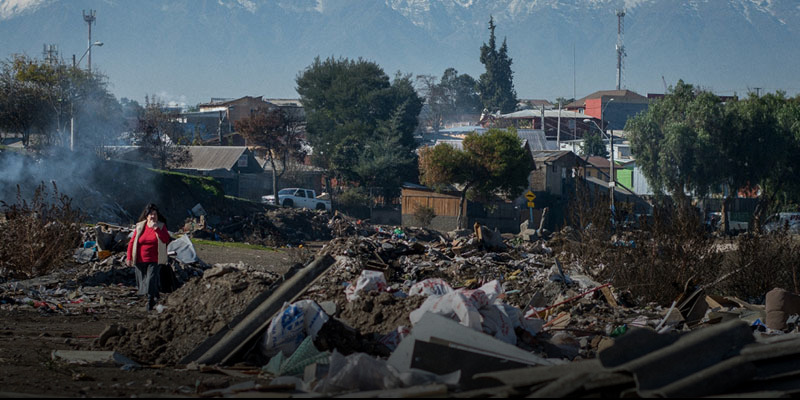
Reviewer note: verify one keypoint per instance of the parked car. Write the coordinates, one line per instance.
(776, 222)
(299, 197)
(714, 220)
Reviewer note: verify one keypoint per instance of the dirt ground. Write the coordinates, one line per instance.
(29, 335)
(278, 260)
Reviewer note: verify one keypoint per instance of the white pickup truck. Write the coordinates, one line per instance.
(299, 197)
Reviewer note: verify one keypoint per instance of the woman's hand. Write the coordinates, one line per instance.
(152, 219)
(128, 261)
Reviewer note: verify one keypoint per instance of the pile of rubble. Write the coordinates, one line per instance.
(275, 228)
(412, 312)
(478, 315)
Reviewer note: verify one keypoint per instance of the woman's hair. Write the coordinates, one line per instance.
(152, 207)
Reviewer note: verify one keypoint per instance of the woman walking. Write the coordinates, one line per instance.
(147, 251)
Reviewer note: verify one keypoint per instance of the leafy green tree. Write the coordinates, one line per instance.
(673, 144)
(489, 163)
(461, 91)
(593, 145)
(278, 133)
(346, 102)
(496, 85)
(49, 99)
(23, 108)
(691, 141)
(763, 140)
(385, 163)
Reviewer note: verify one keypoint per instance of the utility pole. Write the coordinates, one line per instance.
(620, 48)
(558, 132)
(89, 18)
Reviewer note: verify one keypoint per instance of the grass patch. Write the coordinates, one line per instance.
(204, 183)
(235, 245)
(229, 197)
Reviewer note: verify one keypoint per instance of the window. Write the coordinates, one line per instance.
(286, 192)
(301, 193)
(242, 161)
(310, 194)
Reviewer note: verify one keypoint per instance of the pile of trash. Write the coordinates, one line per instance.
(433, 317)
(101, 258)
(98, 280)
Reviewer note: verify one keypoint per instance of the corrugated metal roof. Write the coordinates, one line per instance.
(536, 139)
(457, 143)
(549, 155)
(207, 158)
(463, 129)
(547, 114)
(599, 162)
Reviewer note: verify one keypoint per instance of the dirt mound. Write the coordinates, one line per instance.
(380, 312)
(193, 313)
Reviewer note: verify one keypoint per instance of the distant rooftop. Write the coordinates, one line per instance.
(622, 96)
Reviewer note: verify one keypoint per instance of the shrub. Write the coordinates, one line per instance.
(39, 235)
(424, 215)
(354, 202)
(759, 264)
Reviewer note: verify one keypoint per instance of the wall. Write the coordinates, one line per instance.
(442, 204)
(618, 113)
(593, 107)
(439, 223)
(503, 216)
(253, 186)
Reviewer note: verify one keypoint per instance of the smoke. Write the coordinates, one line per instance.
(75, 174)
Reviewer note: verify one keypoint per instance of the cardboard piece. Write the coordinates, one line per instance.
(781, 304)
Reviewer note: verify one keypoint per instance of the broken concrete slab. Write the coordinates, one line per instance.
(93, 358)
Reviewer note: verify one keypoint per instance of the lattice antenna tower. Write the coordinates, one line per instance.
(89, 18)
(620, 47)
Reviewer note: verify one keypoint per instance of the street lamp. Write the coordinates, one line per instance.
(98, 44)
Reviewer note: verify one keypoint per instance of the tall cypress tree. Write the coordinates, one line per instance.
(496, 85)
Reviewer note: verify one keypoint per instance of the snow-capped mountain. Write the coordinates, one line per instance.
(192, 50)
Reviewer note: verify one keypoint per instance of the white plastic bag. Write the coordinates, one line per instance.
(368, 281)
(430, 287)
(461, 305)
(499, 320)
(291, 326)
(481, 309)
